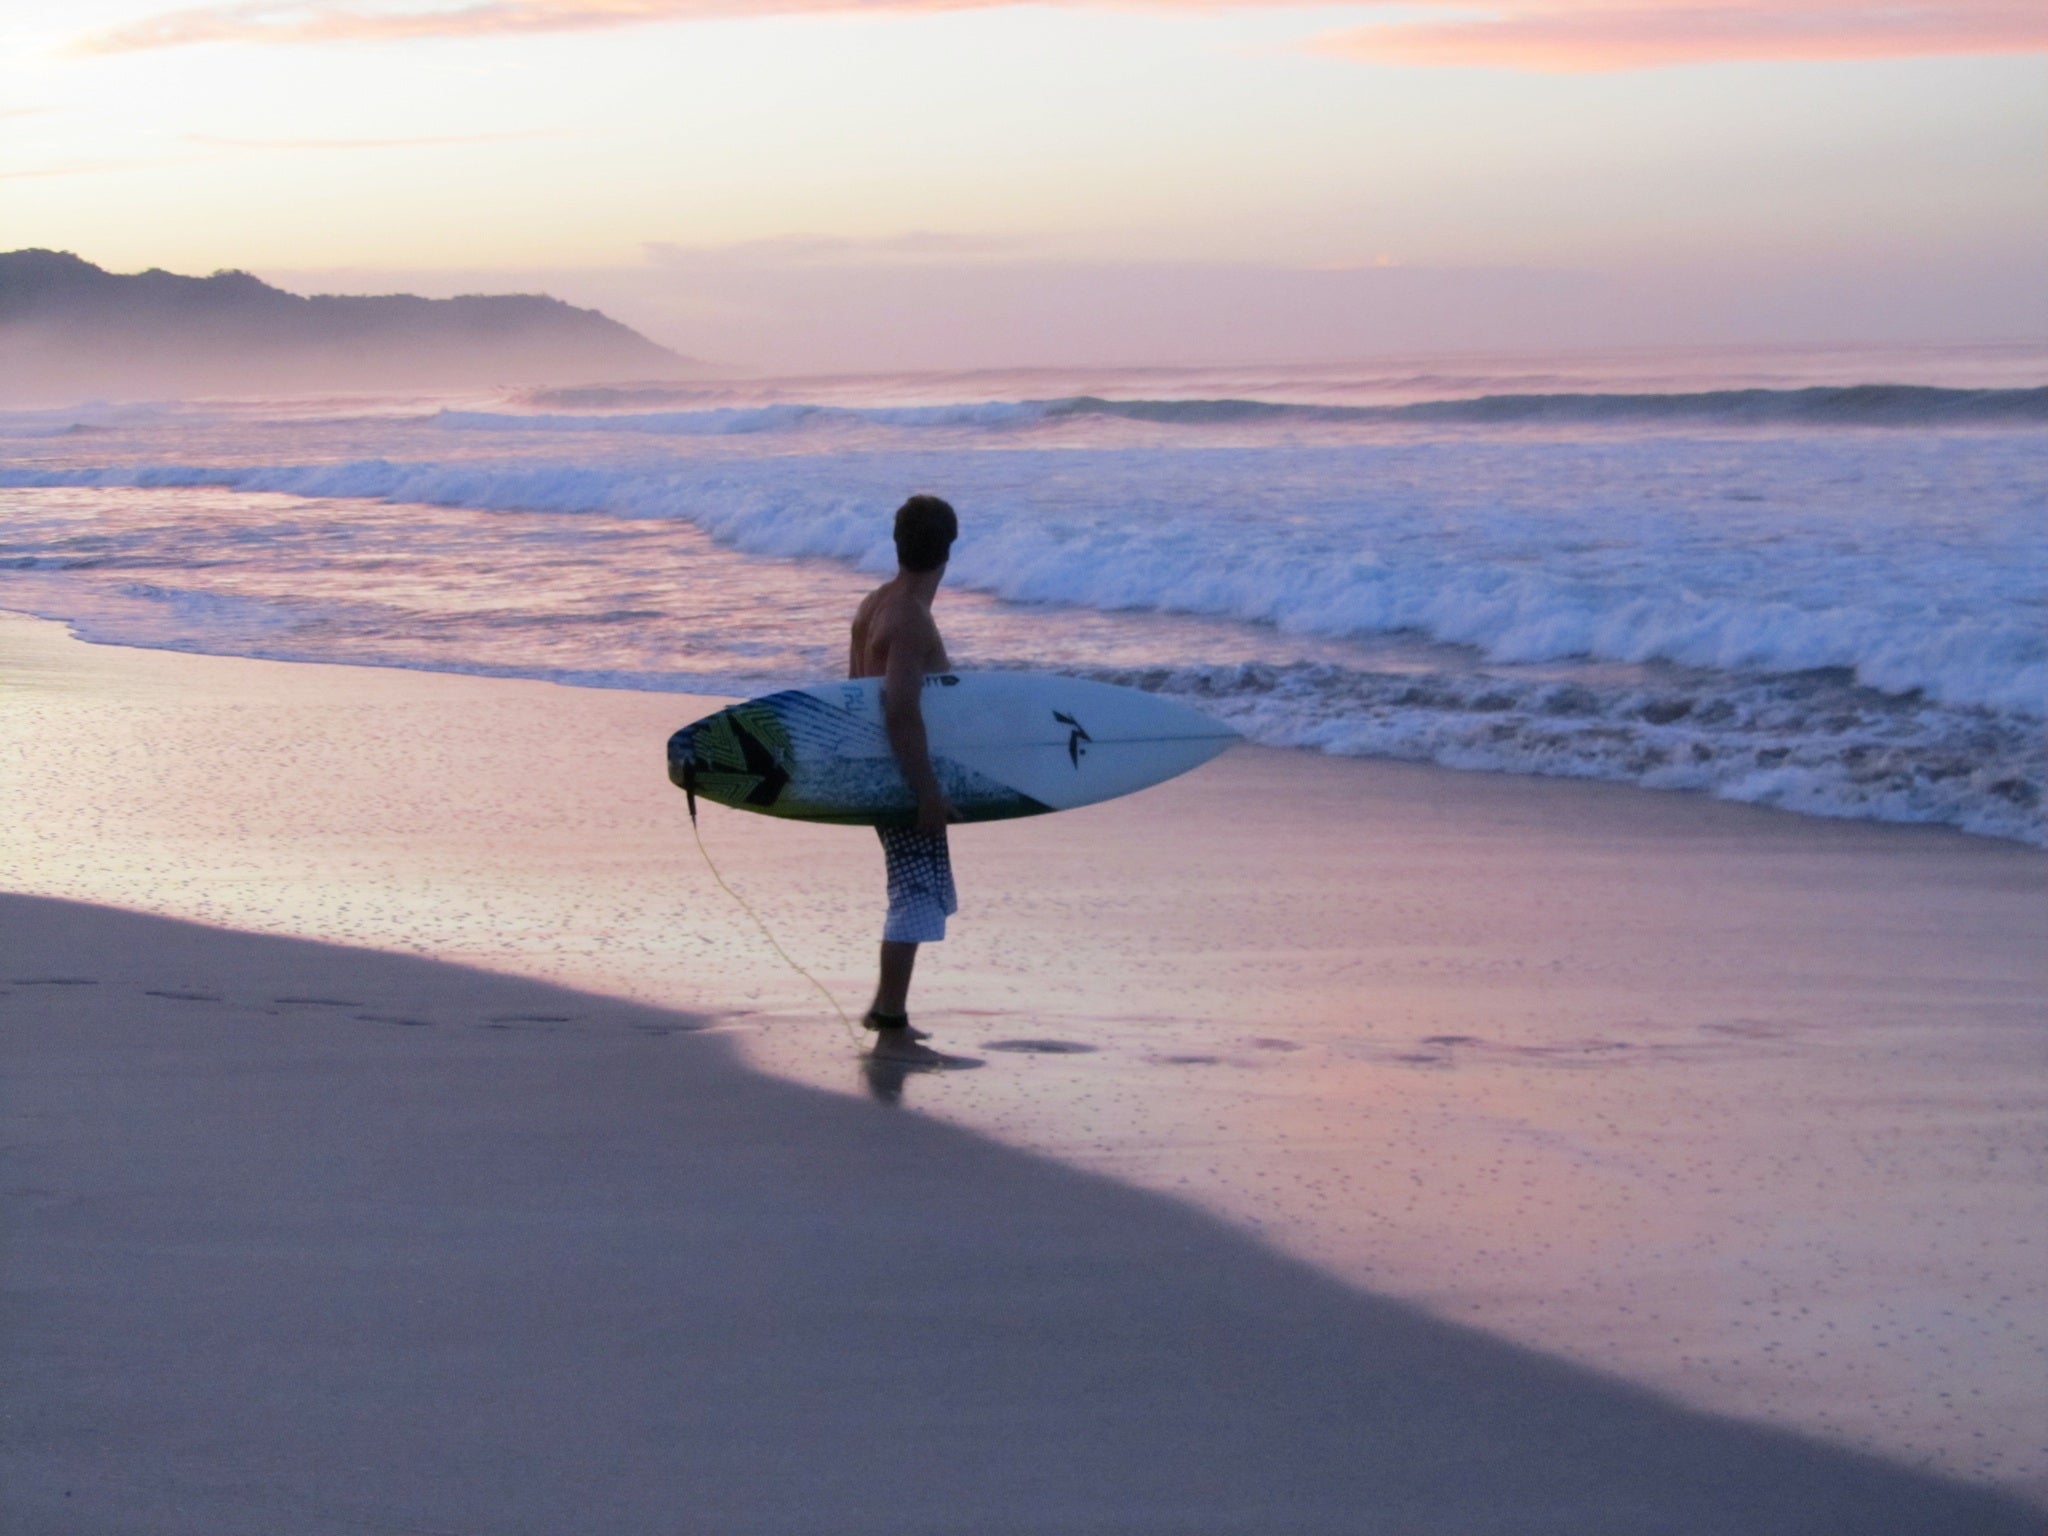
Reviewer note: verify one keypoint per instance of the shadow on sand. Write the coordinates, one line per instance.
(473, 1254)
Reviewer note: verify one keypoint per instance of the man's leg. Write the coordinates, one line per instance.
(897, 1041)
(892, 989)
(920, 878)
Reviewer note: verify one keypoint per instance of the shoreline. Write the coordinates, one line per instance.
(1406, 650)
(1602, 1071)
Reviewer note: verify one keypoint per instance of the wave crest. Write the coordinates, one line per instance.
(1855, 405)
(1816, 743)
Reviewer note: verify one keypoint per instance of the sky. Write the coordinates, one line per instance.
(820, 185)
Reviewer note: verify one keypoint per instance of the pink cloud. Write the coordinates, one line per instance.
(318, 21)
(1585, 35)
(1545, 35)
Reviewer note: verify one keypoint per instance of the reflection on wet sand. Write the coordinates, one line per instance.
(885, 1076)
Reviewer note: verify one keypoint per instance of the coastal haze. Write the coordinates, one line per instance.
(1577, 1067)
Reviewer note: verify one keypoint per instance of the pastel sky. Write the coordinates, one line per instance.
(804, 184)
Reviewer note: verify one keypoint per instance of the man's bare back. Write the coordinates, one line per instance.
(889, 618)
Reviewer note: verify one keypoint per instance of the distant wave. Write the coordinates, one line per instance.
(79, 420)
(1855, 405)
(1861, 405)
(608, 397)
(738, 420)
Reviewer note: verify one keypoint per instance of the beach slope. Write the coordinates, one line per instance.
(319, 1239)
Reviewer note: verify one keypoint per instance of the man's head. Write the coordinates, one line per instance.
(925, 531)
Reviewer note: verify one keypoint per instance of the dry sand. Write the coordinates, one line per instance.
(1530, 1133)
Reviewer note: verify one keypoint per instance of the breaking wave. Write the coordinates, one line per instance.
(1817, 743)
(1889, 619)
(1858, 405)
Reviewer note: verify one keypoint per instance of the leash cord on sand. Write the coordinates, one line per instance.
(747, 907)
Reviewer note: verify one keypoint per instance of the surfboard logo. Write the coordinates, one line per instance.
(1078, 734)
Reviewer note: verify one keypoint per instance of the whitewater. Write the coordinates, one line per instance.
(1830, 597)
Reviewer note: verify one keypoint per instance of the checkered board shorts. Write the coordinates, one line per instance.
(921, 894)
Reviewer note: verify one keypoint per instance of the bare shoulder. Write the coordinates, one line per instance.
(874, 625)
(864, 615)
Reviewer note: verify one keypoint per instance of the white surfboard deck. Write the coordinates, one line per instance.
(1003, 744)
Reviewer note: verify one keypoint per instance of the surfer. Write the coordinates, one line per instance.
(896, 639)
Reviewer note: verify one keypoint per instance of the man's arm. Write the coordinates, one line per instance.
(903, 716)
(857, 644)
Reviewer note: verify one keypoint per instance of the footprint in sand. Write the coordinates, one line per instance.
(1574, 1053)
(1039, 1047)
(1750, 1029)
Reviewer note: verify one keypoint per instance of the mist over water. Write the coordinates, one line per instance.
(1785, 585)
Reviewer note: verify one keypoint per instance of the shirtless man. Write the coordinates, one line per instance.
(895, 639)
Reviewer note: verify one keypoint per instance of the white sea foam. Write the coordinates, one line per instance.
(1349, 542)
(1812, 743)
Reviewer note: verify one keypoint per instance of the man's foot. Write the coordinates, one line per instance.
(881, 1023)
(899, 1044)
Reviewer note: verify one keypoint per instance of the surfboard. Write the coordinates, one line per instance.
(1003, 744)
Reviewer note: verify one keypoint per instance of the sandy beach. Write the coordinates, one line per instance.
(406, 1133)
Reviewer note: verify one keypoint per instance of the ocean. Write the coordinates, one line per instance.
(1816, 581)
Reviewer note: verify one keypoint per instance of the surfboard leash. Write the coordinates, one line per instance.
(747, 907)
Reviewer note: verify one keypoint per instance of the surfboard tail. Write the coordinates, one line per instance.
(682, 757)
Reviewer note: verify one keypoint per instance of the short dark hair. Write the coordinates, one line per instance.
(925, 531)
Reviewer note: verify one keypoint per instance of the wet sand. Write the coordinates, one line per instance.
(320, 1240)
(1739, 1109)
